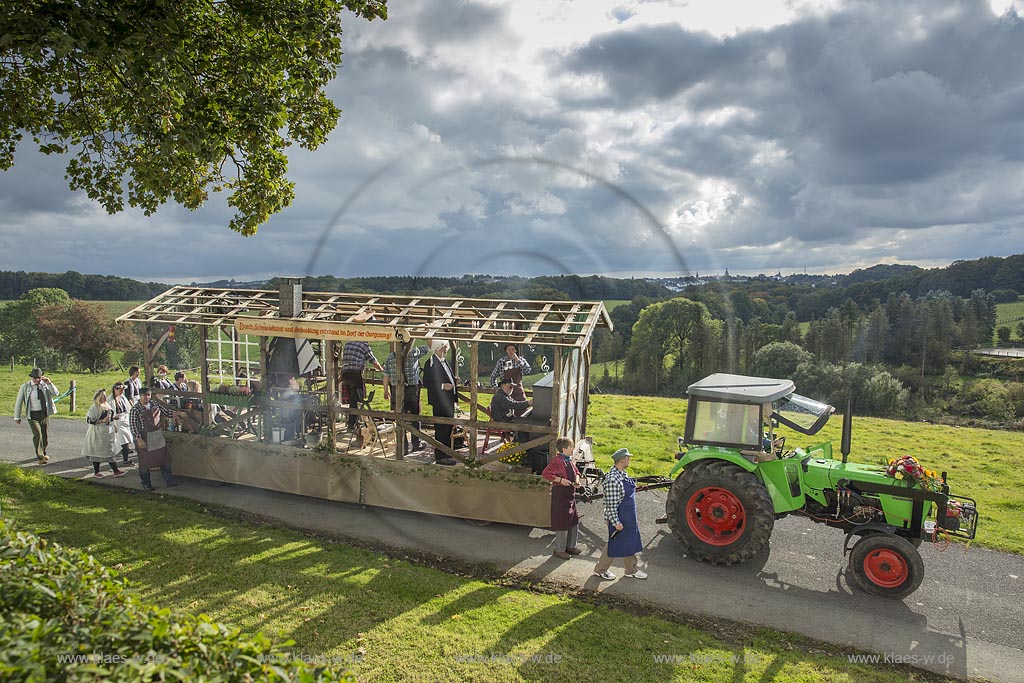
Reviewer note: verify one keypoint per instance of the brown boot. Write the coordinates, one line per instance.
(562, 554)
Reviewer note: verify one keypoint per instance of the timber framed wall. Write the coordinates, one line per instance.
(231, 318)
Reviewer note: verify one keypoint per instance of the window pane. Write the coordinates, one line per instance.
(727, 423)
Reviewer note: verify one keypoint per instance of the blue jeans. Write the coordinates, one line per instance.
(165, 470)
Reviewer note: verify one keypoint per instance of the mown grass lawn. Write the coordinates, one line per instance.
(87, 384)
(396, 620)
(982, 464)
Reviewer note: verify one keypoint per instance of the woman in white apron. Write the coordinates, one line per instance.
(120, 429)
(97, 446)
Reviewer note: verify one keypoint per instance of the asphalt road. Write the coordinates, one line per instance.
(966, 620)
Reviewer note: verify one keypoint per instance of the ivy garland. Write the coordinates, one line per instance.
(379, 467)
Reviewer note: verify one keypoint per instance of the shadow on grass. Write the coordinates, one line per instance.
(416, 623)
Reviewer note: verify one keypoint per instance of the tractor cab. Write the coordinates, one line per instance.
(735, 411)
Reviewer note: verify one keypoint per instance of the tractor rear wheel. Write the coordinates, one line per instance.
(720, 512)
(886, 565)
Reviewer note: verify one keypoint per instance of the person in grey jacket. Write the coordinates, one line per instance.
(35, 399)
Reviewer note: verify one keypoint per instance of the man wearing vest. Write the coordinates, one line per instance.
(35, 398)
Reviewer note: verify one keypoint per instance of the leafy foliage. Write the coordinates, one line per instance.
(81, 330)
(15, 284)
(173, 97)
(58, 604)
(779, 359)
(19, 334)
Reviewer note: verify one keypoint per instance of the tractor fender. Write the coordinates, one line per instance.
(711, 454)
(864, 529)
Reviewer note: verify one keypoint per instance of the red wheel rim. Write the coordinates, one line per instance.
(716, 516)
(886, 568)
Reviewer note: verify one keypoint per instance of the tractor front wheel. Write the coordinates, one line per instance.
(720, 512)
(886, 565)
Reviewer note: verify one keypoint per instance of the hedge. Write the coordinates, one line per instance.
(66, 617)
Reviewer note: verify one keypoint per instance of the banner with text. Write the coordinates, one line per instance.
(311, 329)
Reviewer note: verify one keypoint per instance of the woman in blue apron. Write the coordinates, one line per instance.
(620, 516)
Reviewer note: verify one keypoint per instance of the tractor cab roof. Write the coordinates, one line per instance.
(741, 389)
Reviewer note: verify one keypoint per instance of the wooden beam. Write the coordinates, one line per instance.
(556, 401)
(204, 371)
(586, 387)
(474, 371)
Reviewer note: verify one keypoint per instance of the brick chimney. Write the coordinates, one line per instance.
(291, 297)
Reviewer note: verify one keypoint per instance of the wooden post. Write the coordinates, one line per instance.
(73, 404)
(147, 360)
(474, 371)
(556, 402)
(401, 354)
(265, 390)
(586, 388)
(327, 351)
(204, 370)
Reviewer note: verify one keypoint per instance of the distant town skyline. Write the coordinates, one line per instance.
(625, 138)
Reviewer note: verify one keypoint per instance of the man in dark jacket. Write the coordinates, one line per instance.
(504, 408)
(440, 381)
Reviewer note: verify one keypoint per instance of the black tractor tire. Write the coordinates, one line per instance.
(886, 565)
(737, 518)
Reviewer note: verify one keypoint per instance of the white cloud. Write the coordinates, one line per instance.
(629, 136)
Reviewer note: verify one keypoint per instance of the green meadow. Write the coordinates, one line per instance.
(396, 620)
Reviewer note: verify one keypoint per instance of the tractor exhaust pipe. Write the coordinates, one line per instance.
(844, 446)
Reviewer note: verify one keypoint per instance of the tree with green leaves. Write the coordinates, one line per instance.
(779, 359)
(167, 99)
(19, 333)
(679, 334)
(82, 330)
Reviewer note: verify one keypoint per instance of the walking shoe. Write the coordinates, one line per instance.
(446, 461)
(148, 487)
(606, 575)
(120, 473)
(573, 551)
(638, 574)
(43, 460)
(98, 475)
(127, 463)
(172, 484)
(562, 555)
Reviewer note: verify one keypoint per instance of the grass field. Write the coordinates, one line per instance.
(397, 620)
(116, 308)
(1009, 315)
(612, 304)
(981, 463)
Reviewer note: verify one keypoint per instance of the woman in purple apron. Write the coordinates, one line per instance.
(620, 515)
(512, 367)
(149, 439)
(565, 521)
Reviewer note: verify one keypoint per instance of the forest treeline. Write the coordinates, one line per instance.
(770, 299)
(15, 284)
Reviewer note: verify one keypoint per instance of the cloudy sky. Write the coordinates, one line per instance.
(632, 137)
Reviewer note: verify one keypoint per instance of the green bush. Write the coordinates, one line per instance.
(66, 617)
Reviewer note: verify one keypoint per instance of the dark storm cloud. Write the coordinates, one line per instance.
(656, 62)
(880, 131)
(459, 21)
(879, 116)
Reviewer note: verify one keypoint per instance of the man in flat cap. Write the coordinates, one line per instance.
(620, 515)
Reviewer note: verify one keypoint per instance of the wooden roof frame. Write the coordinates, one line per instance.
(501, 321)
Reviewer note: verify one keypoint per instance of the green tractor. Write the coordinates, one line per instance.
(734, 478)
